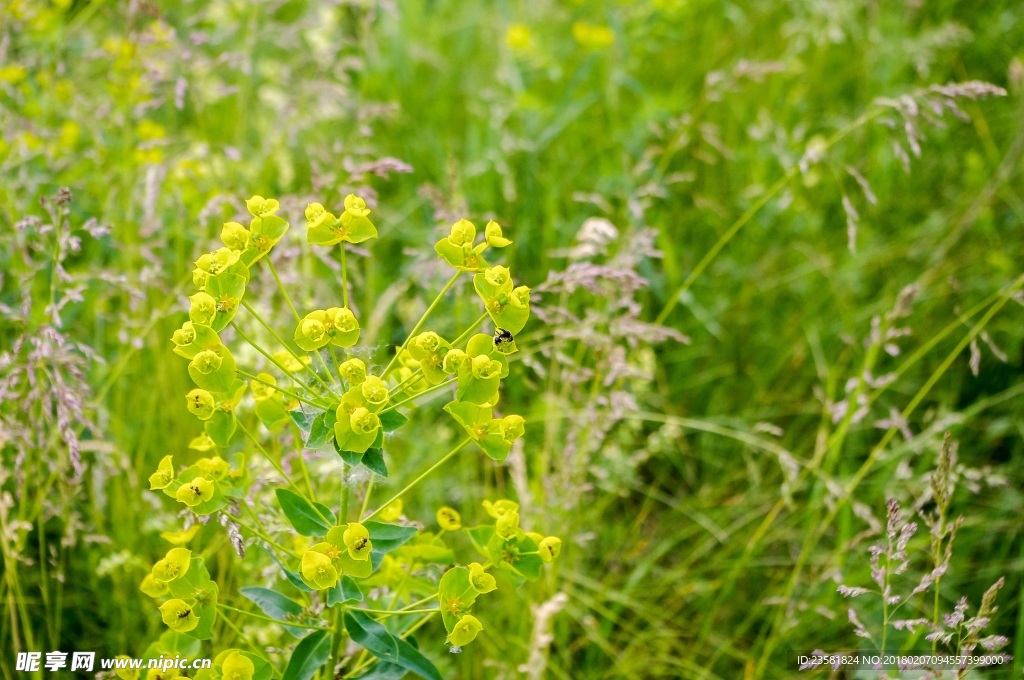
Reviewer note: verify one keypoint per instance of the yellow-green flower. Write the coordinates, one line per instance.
(481, 581)
(201, 403)
(126, 673)
(164, 474)
(262, 207)
(318, 569)
(549, 548)
(235, 236)
(507, 525)
(430, 350)
(449, 519)
(374, 391)
(206, 362)
(185, 335)
(202, 309)
(199, 490)
(592, 36)
(150, 586)
(499, 508)
(219, 260)
(518, 37)
(202, 443)
(174, 565)
(179, 616)
(514, 427)
(356, 206)
(213, 467)
(495, 239)
(357, 540)
(353, 371)
(237, 667)
(465, 631)
(453, 361)
(392, 511)
(457, 248)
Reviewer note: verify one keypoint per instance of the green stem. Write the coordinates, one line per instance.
(466, 333)
(386, 612)
(282, 390)
(286, 346)
(345, 494)
(344, 276)
(419, 324)
(420, 394)
(277, 363)
(261, 617)
(419, 479)
(779, 185)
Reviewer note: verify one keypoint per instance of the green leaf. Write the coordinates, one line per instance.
(387, 537)
(262, 670)
(345, 591)
(276, 606)
(373, 459)
(481, 536)
(309, 655)
(304, 516)
(392, 420)
(319, 432)
(292, 577)
(303, 420)
(221, 427)
(375, 637)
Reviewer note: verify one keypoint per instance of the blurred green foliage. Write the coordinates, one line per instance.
(673, 115)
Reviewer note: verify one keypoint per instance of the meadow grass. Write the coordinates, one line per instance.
(712, 494)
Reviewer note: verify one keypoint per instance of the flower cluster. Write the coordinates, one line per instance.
(330, 399)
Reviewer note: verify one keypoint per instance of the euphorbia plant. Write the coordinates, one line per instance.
(364, 573)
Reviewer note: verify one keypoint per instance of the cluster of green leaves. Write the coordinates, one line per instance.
(332, 402)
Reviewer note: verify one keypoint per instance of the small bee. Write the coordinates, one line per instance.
(504, 342)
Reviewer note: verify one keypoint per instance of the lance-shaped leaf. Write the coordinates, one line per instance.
(307, 518)
(374, 637)
(310, 654)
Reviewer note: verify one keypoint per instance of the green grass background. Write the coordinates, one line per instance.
(684, 121)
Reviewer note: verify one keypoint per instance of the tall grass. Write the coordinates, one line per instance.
(713, 494)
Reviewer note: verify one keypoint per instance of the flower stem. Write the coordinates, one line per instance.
(291, 394)
(419, 479)
(419, 394)
(286, 346)
(261, 617)
(419, 324)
